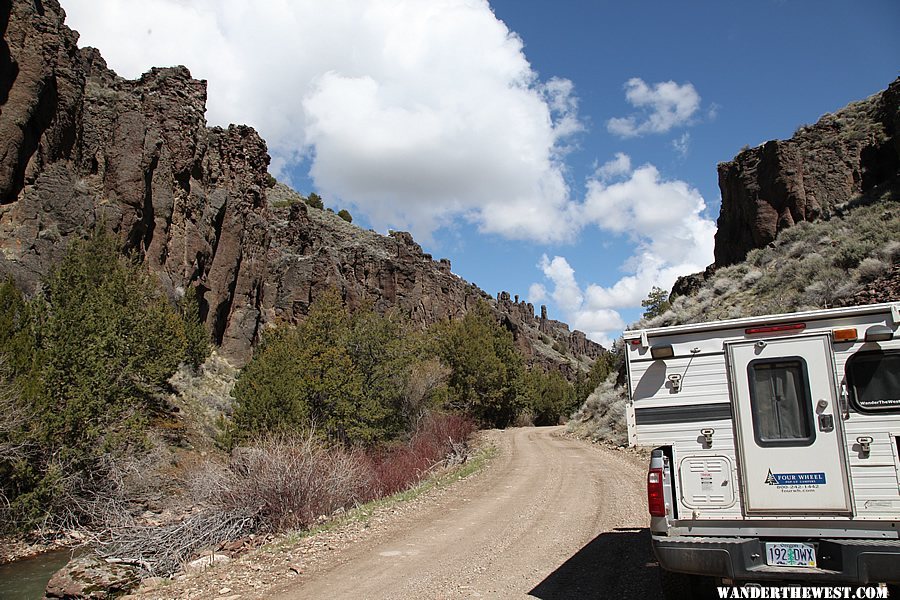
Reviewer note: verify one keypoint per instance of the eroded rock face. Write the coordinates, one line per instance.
(311, 250)
(81, 147)
(85, 148)
(852, 155)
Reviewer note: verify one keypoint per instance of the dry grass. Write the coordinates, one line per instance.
(809, 266)
(282, 483)
(602, 416)
(288, 481)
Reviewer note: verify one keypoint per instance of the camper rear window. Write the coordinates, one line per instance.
(780, 402)
(874, 379)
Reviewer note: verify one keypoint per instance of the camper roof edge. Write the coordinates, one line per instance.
(891, 307)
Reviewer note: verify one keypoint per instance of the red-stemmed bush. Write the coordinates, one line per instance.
(437, 438)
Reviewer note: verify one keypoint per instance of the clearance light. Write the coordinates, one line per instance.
(776, 328)
(845, 335)
(656, 500)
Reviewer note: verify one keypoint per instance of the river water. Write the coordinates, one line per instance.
(27, 579)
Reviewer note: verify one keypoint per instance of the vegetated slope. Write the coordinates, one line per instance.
(811, 265)
(851, 155)
(81, 147)
(806, 223)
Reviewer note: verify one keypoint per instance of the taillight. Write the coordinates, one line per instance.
(656, 500)
(775, 328)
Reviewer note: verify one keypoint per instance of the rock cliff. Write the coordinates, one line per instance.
(81, 147)
(851, 156)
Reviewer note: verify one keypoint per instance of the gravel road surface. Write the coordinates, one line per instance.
(550, 518)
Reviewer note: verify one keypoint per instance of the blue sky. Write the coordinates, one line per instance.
(562, 151)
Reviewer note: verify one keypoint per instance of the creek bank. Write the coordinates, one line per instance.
(26, 578)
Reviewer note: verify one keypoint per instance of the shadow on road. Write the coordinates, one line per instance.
(615, 564)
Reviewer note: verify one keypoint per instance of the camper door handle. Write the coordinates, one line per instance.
(865, 445)
(845, 403)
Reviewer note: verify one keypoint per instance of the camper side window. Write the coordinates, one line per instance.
(874, 379)
(779, 402)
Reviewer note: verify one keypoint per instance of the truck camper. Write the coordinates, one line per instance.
(776, 446)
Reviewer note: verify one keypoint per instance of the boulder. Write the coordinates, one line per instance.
(90, 577)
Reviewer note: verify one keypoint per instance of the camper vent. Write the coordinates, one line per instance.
(700, 466)
(706, 482)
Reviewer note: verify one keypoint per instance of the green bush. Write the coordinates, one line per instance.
(606, 363)
(86, 361)
(345, 375)
(486, 369)
(111, 340)
(314, 200)
(851, 252)
(656, 303)
(548, 396)
(345, 215)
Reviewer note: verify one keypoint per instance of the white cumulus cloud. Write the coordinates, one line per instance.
(537, 293)
(620, 165)
(664, 218)
(665, 221)
(413, 112)
(662, 106)
(598, 323)
(682, 144)
(566, 292)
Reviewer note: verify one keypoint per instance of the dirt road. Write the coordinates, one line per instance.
(552, 518)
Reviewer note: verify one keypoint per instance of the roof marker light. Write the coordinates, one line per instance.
(775, 328)
(845, 335)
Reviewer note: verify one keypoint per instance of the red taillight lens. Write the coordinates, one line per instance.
(656, 501)
(776, 328)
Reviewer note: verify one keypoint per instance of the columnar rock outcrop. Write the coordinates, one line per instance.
(852, 155)
(86, 148)
(81, 147)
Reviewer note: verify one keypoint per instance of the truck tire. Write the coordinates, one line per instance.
(677, 586)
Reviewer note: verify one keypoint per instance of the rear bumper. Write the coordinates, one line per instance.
(744, 559)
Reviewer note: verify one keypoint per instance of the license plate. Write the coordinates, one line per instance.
(791, 555)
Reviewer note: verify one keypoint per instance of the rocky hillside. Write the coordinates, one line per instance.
(845, 161)
(810, 222)
(851, 156)
(81, 147)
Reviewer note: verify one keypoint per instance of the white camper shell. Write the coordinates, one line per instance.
(777, 441)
